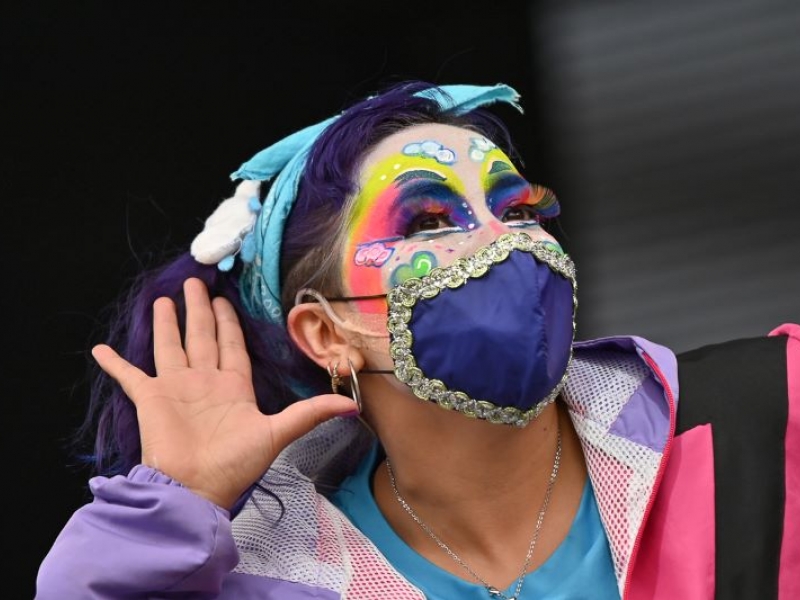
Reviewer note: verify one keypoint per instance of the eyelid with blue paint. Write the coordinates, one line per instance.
(508, 190)
(425, 197)
(511, 192)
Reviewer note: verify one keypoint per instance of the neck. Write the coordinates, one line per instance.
(451, 460)
(478, 485)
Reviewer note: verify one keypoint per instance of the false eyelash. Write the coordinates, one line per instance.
(547, 206)
(412, 208)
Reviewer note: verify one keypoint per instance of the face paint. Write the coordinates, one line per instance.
(399, 189)
(511, 198)
(417, 203)
(478, 147)
(373, 254)
(508, 197)
(421, 264)
(431, 149)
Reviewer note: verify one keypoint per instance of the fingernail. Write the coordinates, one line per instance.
(350, 413)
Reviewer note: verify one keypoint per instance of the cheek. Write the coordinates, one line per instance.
(419, 259)
(370, 247)
(364, 265)
(376, 267)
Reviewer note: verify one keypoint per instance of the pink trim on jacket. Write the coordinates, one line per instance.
(676, 556)
(789, 578)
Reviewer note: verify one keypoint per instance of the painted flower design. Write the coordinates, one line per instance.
(478, 148)
(431, 149)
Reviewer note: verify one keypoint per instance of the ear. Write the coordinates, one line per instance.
(319, 338)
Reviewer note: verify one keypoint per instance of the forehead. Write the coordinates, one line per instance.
(456, 139)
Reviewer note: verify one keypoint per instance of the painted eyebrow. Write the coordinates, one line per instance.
(426, 187)
(507, 181)
(419, 174)
(499, 166)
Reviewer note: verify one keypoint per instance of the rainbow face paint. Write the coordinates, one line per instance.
(412, 185)
(428, 195)
(510, 197)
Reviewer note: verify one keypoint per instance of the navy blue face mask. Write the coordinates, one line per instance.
(490, 335)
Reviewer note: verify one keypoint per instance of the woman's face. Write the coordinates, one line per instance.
(428, 195)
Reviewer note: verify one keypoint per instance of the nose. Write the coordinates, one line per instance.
(493, 228)
(498, 227)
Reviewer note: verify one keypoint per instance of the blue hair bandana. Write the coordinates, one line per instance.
(285, 161)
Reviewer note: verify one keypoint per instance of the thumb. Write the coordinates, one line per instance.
(127, 375)
(301, 417)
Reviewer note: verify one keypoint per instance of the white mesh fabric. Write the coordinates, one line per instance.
(623, 472)
(310, 541)
(600, 383)
(369, 576)
(283, 547)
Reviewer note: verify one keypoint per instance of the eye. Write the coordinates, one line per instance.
(429, 222)
(520, 212)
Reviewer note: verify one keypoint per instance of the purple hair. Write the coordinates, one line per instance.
(278, 366)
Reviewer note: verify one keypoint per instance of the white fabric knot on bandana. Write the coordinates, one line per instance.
(228, 230)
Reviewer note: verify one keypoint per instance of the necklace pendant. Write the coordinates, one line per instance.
(493, 591)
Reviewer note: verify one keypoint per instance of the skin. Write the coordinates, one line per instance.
(200, 424)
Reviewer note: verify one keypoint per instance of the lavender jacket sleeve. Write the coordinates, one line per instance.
(143, 536)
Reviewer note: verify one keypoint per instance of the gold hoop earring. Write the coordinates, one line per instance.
(336, 379)
(355, 389)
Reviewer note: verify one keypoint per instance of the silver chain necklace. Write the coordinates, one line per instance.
(492, 590)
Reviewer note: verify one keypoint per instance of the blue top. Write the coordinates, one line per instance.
(580, 568)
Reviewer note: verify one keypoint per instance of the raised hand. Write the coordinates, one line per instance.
(198, 418)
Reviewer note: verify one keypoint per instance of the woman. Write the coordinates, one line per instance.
(400, 256)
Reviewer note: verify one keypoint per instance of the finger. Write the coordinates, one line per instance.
(167, 347)
(230, 339)
(301, 417)
(127, 375)
(201, 329)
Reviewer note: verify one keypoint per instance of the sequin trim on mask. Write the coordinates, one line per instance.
(402, 299)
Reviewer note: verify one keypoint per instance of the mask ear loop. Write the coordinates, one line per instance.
(323, 301)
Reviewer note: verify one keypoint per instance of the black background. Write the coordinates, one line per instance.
(124, 121)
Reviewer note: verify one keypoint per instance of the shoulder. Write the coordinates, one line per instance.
(728, 383)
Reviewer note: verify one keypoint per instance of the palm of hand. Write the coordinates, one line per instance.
(203, 428)
(198, 418)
